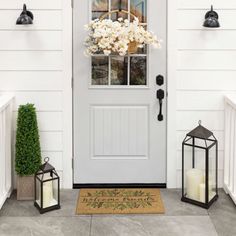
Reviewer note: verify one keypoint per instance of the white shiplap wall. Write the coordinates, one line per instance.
(35, 63)
(205, 70)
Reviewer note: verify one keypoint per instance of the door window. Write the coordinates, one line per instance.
(114, 70)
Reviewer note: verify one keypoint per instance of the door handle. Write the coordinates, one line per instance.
(160, 97)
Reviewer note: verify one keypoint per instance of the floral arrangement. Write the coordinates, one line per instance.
(107, 36)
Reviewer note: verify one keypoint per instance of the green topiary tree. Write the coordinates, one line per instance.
(28, 152)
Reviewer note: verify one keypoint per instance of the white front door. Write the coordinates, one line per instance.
(118, 138)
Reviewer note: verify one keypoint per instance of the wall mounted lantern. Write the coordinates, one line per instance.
(26, 17)
(199, 167)
(211, 19)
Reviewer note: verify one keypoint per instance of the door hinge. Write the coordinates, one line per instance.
(72, 162)
(72, 4)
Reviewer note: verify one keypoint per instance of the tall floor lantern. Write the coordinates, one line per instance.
(199, 167)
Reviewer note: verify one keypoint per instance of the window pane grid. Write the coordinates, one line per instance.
(128, 71)
(109, 7)
(120, 71)
(109, 71)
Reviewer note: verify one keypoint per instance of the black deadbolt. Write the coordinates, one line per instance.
(160, 80)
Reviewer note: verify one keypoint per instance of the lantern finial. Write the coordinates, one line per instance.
(200, 122)
(46, 166)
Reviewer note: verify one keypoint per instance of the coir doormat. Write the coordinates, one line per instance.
(119, 201)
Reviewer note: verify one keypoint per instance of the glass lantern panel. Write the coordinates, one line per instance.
(188, 140)
(212, 172)
(55, 190)
(193, 172)
(38, 191)
(200, 159)
(201, 142)
(49, 197)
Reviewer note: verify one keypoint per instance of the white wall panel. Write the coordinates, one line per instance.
(51, 141)
(206, 60)
(41, 22)
(206, 80)
(31, 81)
(213, 120)
(35, 65)
(31, 40)
(209, 40)
(44, 101)
(32, 4)
(50, 121)
(47, 121)
(196, 19)
(206, 68)
(200, 100)
(205, 4)
(30, 60)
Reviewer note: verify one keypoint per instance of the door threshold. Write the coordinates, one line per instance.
(144, 185)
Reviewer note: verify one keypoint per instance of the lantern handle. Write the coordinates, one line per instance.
(46, 159)
(200, 122)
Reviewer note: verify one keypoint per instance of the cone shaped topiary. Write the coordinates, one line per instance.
(28, 152)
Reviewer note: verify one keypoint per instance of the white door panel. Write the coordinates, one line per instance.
(117, 137)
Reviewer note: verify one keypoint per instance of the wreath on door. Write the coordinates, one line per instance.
(118, 37)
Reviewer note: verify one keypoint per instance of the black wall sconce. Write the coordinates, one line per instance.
(26, 17)
(211, 19)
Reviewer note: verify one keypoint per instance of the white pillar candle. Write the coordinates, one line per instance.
(47, 194)
(202, 190)
(194, 178)
(47, 191)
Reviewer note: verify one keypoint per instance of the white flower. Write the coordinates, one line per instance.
(114, 36)
(107, 52)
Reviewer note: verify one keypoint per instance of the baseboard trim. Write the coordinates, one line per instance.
(157, 185)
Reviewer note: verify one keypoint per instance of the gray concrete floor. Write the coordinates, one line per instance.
(181, 219)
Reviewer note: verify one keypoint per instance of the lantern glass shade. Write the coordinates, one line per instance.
(199, 167)
(212, 173)
(47, 192)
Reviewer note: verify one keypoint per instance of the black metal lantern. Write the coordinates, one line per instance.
(199, 167)
(211, 19)
(26, 17)
(47, 188)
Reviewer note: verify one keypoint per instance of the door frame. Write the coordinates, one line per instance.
(171, 63)
(171, 60)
